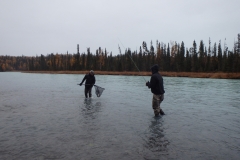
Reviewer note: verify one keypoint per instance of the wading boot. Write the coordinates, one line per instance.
(161, 112)
(156, 113)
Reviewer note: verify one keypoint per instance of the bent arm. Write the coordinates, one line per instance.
(83, 79)
(152, 83)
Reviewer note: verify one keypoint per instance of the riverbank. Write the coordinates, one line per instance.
(218, 75)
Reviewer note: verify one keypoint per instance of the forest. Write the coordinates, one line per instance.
(171, 57)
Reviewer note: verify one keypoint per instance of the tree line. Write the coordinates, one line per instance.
(170, 57)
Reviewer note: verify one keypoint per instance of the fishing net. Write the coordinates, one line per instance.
(98, 90)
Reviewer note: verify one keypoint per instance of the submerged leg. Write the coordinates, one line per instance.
(157, 99)
(161, 99)
(85, 92)
(90, 92)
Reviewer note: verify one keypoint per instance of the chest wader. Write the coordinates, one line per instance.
(156, 101)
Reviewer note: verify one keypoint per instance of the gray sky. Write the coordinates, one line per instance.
(35, 27)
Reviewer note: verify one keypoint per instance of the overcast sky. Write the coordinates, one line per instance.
(35, 27)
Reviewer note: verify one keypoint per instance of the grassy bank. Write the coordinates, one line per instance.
(219, 75)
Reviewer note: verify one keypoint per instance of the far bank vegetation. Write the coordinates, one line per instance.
(174, 59)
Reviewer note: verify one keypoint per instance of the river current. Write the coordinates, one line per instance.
(46, 116)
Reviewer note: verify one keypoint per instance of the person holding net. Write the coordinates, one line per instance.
(90, 81)
(156, 85)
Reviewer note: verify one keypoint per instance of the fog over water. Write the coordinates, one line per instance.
(46, 116)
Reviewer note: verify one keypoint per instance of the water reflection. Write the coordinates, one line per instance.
(155, 145)
(90, 108)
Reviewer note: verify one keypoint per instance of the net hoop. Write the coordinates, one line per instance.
(98, 90)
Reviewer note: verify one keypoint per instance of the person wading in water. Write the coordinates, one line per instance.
(156, 85)
(90, 81)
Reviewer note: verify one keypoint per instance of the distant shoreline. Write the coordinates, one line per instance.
(216, 75)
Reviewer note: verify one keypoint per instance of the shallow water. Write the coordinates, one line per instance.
(45, 116)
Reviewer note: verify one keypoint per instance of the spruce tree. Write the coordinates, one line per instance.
(214, 58)
(200, 65)
(182, 57)
(194, 57)
(168, 59)
(219, 56)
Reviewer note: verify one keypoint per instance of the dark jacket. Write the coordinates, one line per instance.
(156, 82)
(90, 80)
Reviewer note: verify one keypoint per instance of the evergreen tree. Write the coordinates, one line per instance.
(128, 60)
(205, 60)
(187, 62)
(43, 65)
(177, 59)
(194, 57)
(83, 61)
(89, 60)
(236, 63)
(214, 58)
(224, 58)
(181, 58)
(105, 60)
(144, 61)
(77, 61)
(164, 56)
(111, 67)
(159, 57)
(174, 50)
(200, 65)
(230, 59)
(119, 62)
(140, 59)
(219, 56)
(152, 55)
(238, 54)
(168, 61)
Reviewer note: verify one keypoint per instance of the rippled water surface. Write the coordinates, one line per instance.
(45, 116)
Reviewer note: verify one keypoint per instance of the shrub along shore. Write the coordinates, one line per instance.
(218, 75)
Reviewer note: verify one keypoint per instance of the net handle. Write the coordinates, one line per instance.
(93, 85)
(87, 84)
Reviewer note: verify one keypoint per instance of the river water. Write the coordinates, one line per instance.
(46, 116)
